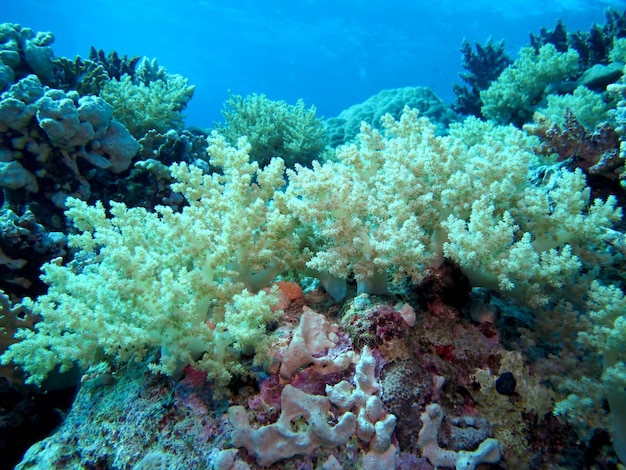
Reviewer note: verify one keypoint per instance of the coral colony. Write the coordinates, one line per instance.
(407, 285)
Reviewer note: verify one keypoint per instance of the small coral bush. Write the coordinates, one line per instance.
(156, 105)
(274, 129)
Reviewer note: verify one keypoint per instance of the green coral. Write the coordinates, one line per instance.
(588, 107)
(512, 98)
(141, 107)
(603, 333)
(274, 129)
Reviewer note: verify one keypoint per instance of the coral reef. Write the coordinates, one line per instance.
(401, 202)
(433, 293)
(318, 415)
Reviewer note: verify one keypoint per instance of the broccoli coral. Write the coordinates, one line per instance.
(513, 96)
(142, 106)
(400, 202)
(172, 281)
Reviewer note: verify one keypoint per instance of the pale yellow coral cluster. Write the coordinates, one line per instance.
(183, 282)
(400, 202)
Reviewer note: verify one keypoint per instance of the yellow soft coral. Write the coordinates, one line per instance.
(182, 283)
(399, 202)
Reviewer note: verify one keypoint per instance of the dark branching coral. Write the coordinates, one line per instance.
(84, 76)
(114, 65)
(185, 146)
(558, 37)
(483, 66)
(88, 76)
(593, 46)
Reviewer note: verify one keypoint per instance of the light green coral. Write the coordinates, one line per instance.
(169, 281)
(516, 92)
(588, 107)
(274, 129)
(143, 106)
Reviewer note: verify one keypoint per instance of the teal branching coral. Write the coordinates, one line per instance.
(274, 129)
(618, 52)
(143, 105)
(520, 87)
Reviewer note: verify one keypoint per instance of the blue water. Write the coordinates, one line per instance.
(330, 53)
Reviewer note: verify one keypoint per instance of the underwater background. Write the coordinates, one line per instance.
(312, 234)
(331, 54)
